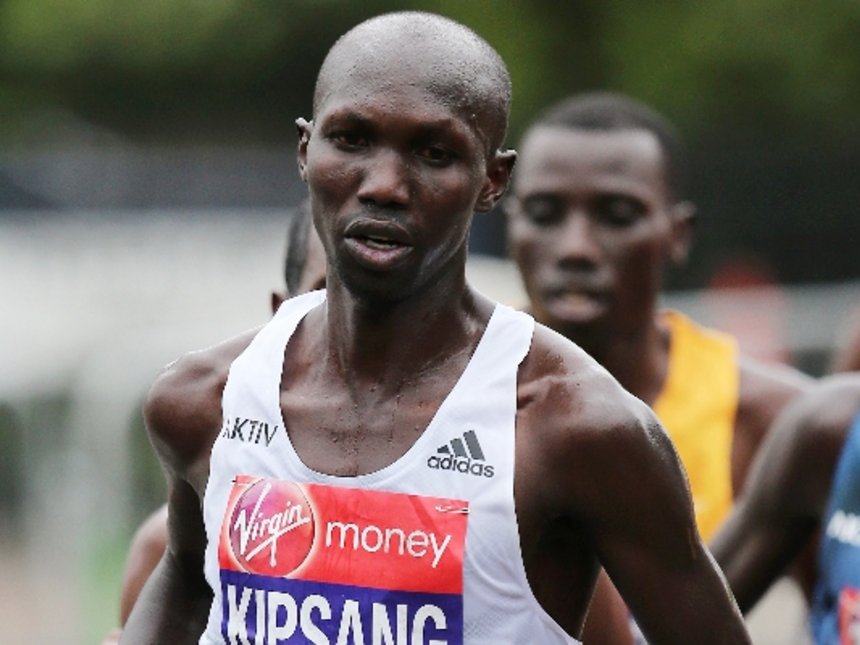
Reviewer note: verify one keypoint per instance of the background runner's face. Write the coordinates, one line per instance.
(394, 173)
(313, 273)
(590, 228)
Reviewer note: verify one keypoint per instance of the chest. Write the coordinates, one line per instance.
(349, 430)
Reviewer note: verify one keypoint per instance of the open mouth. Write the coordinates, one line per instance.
(378, 242)
(576, 304)
(377, 251)
(575, 299)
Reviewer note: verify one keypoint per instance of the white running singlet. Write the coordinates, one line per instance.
(422, 552)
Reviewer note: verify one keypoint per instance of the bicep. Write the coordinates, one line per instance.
(646, 538)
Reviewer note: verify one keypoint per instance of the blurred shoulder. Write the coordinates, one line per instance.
(763, 378)
(809, 435)
(828, 407)
(764, 391)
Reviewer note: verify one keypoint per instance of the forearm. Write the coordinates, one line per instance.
(172, 608)
(700, 607)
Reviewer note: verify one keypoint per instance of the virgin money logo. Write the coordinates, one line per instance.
(271, 528)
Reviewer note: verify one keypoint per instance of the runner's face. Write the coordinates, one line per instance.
(395, 173)
(590, 227)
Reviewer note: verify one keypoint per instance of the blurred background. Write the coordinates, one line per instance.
(147, 159)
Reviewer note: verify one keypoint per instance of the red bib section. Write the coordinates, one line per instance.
(311, 563)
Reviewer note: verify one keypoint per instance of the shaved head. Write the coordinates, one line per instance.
(456, 64)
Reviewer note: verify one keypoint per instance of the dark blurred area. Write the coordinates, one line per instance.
(117, 105)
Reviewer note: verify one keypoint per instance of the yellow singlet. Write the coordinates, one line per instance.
(698, 405)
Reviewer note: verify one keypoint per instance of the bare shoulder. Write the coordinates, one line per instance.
(795, 465)
(765, 390)
(560, 381)
(770, 384)
(147, 547)
(151, 534)
(578, 423)
(183, 407)
(824, 413)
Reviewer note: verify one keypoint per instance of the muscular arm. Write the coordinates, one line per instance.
(650, 542)
(183, 417)
(615, 473)
(145, 552)
(787, 490)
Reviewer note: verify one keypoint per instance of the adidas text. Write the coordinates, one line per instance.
(460, 465)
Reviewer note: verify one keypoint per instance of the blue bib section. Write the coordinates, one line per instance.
(835, 615)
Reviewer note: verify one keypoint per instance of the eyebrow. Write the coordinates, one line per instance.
(350, 117)
(443, 127)
(439, 127)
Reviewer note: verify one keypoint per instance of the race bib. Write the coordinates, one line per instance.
(310, 563)
(849, 616)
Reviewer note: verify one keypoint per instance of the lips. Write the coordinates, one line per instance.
(377, 244)
(576, 304)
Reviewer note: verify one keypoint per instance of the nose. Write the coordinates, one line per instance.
(386, 181)
(578, 241)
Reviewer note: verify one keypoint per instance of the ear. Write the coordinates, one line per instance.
(304, 129)
(278, 297)
(683, 216)
(499, 170)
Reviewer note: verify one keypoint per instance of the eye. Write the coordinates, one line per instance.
(349, 140)
(543, 210)
(435, 154)
(620, 210)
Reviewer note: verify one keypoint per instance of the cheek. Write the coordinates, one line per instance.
(640, 265)
(530, 250)
(450, 196)
(326, 176)
(456, 190)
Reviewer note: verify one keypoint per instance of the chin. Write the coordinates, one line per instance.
(575, 318)
(583, 329)
(380, 292)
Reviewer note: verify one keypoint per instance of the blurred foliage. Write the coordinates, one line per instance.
(190, 70)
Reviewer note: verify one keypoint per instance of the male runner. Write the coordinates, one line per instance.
(326, 484)
(596, 216)
(805, 479)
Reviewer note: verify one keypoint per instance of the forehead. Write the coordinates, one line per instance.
(557, 158)
(399, 88)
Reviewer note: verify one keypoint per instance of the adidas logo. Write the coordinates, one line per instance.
(463, 456)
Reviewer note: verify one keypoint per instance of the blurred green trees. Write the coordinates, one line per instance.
(181, 70)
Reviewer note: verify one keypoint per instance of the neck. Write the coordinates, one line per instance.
(638, 359)
(386, 343)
